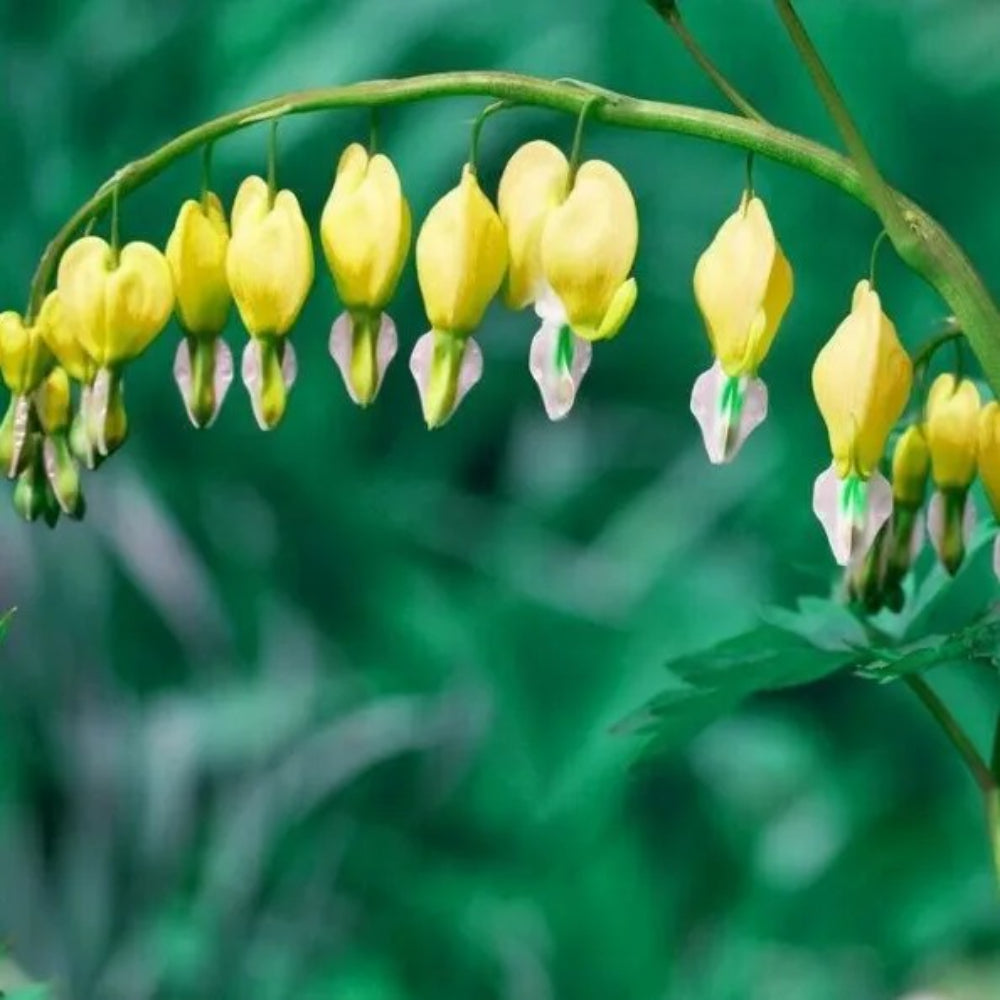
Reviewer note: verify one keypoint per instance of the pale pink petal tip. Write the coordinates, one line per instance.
(558, 361)
(251, 371)
(97, 410)
(937, 529)
(852, 512)
(342, 349)
(22, 414)
(469, 374)
(728, 411)
(222, 378)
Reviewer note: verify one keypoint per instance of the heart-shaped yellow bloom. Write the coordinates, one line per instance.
(534, 182)
(461, 257)
(60, 335)
(116, 306)
(588, 247)
(861, 381)
(24, 356)
(196, 252)
(952, 429)
(911, 464)
(989, 453)
(366, 229)
(743, 285)
(270, 259)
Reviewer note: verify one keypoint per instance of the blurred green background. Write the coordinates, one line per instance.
(327, 712)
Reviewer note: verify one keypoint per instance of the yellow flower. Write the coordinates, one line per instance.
(117, 304)
(461, 261)
(861, 380)
(196, 252)
(743, 285)
(911, 462)
(270, 270)
(269, 263)
(24, 356)
(572, 243)
(365, 230)
(62, 340)
(989, 453)
(52, 404)
(952, 430)
(534, 182)
(461, 257)
(588, 247)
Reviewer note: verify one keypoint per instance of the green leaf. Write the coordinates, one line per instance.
(792, 648)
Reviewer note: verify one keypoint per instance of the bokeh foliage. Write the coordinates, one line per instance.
(329, 712)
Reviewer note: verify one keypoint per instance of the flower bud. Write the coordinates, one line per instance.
(861, 380)
(52, 405)
(461, 261)
(743, 285)
(911, 463)
(952, 431)
(24, 355)
(270, 270)
(116, 303)
(366, 231)
(196, 252)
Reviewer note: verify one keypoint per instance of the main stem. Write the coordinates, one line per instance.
(984, 776)
(941, 262)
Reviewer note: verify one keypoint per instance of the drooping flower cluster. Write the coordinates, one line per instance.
(862, 381)
(563, 240)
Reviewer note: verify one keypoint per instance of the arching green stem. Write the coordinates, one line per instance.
(940, 261)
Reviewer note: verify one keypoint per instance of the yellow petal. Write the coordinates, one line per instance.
(461, 257)
(589, 245)
(269, 264)
(115, 307)
(60, 335)
(196, 252)
(24, 356)
(952, 430)
(989, 453)
(743, 285)
(861, 380)
(81, 283)
(535, 180)
(140, 299)
(911, 462)
(366, 229)
(619, 310)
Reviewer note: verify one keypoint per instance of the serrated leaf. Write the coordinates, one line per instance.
(712, 682)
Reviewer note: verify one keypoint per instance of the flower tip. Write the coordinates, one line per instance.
(363, 347)
(269, 369)
(852, 512)
(728, 410)
(445, 367)
(203, 371)
(558, 362)
(950, 523)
